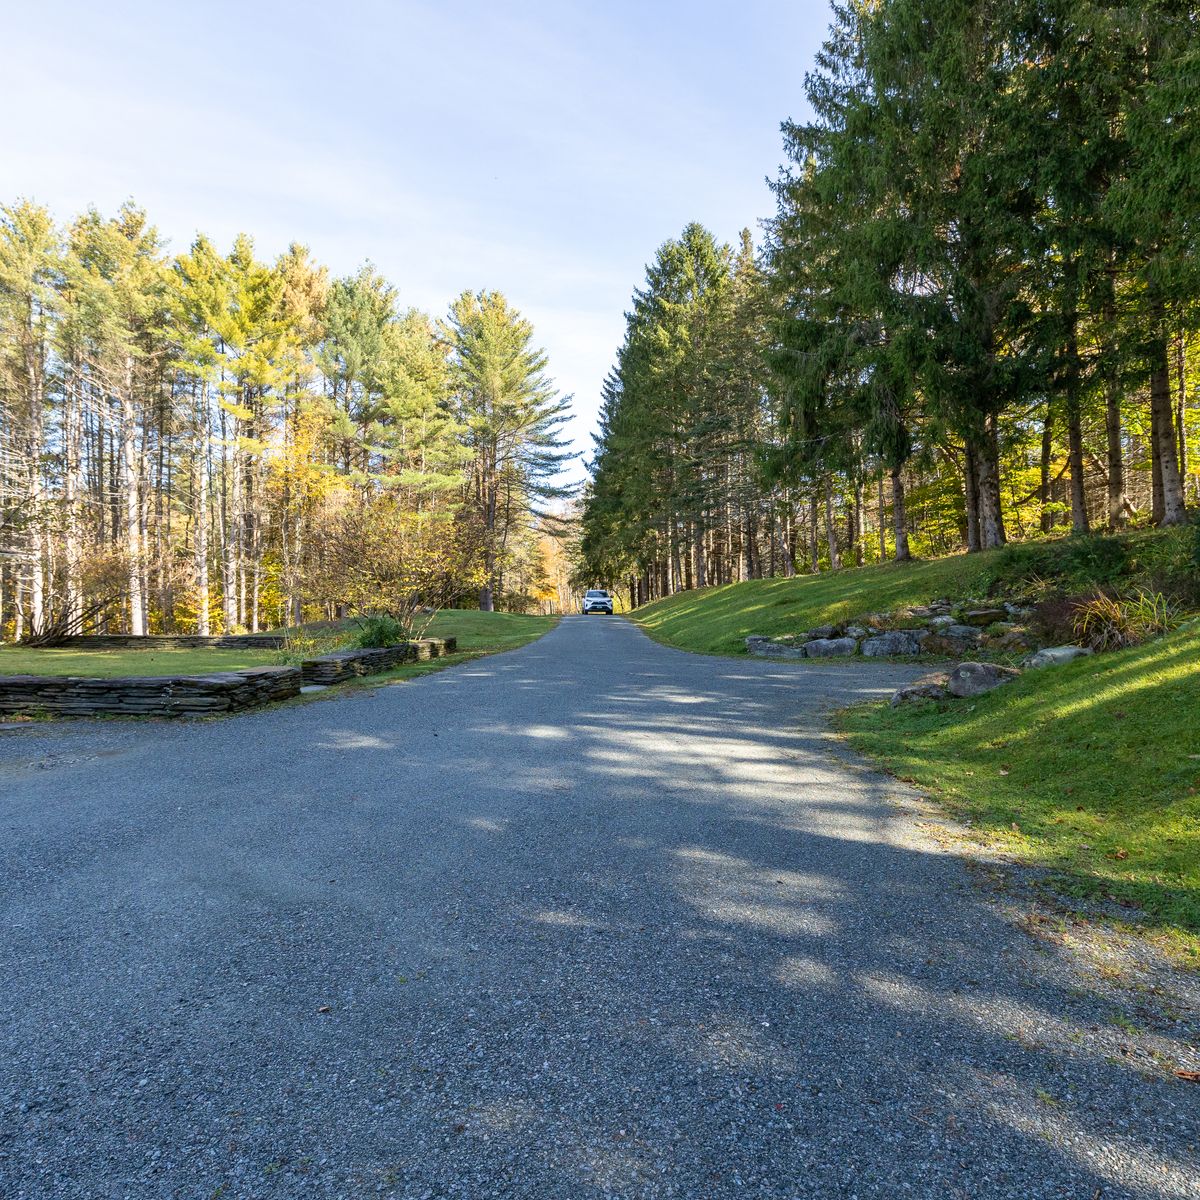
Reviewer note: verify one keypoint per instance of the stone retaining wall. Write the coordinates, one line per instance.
(346, 664)
(199, 695)
(148, 696)
(174, 641)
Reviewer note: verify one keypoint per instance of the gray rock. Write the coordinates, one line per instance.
(974, 678)
(857, 631)
(964, 633)
(830, 647)
(932, 687)
(769, 649)
(943, 621)
(897, 643)
(822, 631)
(1055, 656)
(756, 639)
(983, 616)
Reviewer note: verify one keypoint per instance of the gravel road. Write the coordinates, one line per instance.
(594, 918)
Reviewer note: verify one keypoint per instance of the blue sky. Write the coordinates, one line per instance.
(545, 149)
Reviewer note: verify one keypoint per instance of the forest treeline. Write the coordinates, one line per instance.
(206, 442)
(973, 316)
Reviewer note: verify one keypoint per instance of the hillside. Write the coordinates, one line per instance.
(717, 620)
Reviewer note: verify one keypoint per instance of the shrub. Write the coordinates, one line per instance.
(375, 632)
(1114, 622)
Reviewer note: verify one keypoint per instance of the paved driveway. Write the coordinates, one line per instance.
(591, 919)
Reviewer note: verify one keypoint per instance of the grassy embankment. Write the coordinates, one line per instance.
(1090, 770)
(477, 633)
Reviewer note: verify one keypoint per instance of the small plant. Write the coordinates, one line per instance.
(1114, 622)
(302, 644)
(377, 631)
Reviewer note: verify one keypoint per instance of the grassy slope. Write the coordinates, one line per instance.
(716, 620)
(477, 633)
(1092, 769)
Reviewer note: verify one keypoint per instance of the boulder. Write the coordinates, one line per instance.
(898, 643)
(830, 647)
(1055, 656)
(983, 616)
(756, 639)
(822, 631)
(974, 678)
(769, 649)
(962, 633)
(857, 631)
(1015, 639)
(932, 687)
(942, 621)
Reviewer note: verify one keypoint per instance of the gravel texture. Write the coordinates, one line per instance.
(594, 918)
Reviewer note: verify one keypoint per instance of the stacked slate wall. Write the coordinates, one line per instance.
(148, 696)
(174, 641)
(346, 664)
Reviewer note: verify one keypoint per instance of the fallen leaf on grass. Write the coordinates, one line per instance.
(324, 1008)
(1188, 1076)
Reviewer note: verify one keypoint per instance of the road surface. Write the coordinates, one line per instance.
(594, 918)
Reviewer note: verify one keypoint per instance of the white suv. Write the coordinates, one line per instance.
(597, 600)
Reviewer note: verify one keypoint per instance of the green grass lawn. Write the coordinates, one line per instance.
(1091, 769)
(488, 633)
(717, 620)
(477, 633)
(111, 664)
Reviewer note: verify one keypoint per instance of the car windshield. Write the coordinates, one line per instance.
(597, 595)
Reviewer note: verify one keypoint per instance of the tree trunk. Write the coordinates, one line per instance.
(131, 506)
(971, 498)
(1162, 426)
(991, 514)
(73, 486)
(835, 560)
(1117, 501)
(1079, 515)
(857, 524)
(899, 514)
(814, 556)
(1181, 412)
(882, 521)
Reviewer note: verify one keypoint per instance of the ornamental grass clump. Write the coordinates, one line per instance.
(1115, 622)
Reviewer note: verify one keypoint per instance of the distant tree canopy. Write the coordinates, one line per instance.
(188, 442)
(974, 315)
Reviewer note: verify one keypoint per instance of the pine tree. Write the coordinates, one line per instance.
(512, 417)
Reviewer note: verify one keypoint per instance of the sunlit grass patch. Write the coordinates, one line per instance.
(1091, 769)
